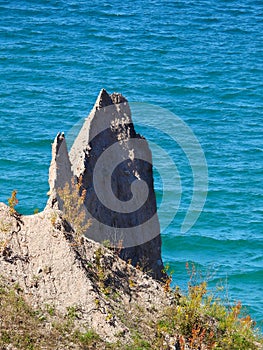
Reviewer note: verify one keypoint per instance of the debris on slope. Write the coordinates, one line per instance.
(41, 255)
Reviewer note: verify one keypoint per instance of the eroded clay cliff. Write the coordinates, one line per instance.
(113, 163)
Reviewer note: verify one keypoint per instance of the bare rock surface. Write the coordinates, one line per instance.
(113, 163)
(60, 172)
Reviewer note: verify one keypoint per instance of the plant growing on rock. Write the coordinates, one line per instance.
(73, 197)
(7, 228)
(13, 201)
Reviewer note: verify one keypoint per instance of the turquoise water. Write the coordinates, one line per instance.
(200, 60)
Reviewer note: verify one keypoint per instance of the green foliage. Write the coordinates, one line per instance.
(50, 309)
(24, 328)
(138, 343)
(196, 320)
(100, 270)
(88, 338)
(72, 313)
(106, 243)
(202, 319)
(14, 311)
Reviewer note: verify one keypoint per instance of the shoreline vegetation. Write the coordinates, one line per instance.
(168, 320)
(193, 321)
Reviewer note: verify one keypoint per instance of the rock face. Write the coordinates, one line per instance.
(59, 171)
(114, 165)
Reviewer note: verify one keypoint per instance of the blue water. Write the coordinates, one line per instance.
(201, 60)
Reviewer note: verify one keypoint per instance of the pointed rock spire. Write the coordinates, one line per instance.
(103, 99)
(114, 164)
(59, 171)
